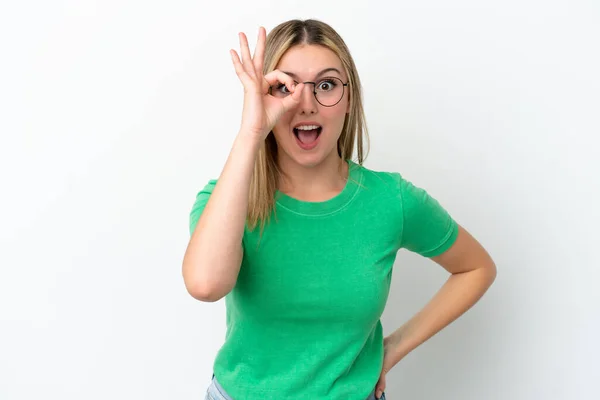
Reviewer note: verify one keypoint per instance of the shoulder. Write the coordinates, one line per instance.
(394, 182)
(380, 179)
(208, 188)
(200, 202)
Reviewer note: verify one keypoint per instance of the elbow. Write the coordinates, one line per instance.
(493, 272)
(201, 291)
(204, 296)
(202, 285)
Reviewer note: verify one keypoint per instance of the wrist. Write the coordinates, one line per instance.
(250, 135)
(248, 140)
(397, 345)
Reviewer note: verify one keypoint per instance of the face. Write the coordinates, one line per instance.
(307, 63)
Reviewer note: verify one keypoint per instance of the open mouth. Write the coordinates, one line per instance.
(308, 136)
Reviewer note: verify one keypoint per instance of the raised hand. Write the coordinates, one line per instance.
(261, 110)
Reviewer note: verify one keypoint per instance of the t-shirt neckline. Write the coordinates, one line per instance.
(334, 204)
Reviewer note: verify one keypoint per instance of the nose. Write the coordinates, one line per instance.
(308, 103)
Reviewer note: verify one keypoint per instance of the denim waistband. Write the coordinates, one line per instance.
(220, 388)
(226, 396)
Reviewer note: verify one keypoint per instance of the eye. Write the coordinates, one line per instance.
(326, 85)
(282, 89)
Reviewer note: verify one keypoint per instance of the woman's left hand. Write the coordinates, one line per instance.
(388, 347)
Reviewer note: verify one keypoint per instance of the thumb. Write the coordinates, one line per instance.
(381, 385)
(293, 100)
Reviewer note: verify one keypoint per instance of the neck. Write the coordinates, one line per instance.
(316, 182)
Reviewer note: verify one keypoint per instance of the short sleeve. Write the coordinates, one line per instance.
(200, 202)
(428, 229)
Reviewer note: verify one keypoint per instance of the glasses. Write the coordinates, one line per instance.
(328, 91)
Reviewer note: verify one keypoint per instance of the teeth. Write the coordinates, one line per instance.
(307, 127)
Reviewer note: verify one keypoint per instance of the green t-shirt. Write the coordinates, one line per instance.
(303, 320)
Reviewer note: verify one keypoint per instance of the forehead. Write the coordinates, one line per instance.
(306, 61)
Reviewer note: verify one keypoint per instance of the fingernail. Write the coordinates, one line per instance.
(293, 86)
(379, 394)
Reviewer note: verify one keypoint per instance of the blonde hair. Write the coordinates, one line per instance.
(284, 36)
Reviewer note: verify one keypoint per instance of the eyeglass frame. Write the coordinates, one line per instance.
(315, 91)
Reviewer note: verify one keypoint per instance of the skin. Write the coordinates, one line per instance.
(314, 174)
(472, 272)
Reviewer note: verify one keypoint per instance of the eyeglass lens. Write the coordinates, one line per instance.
(328, 91)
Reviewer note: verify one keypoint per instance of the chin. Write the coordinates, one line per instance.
(310, 160)
(307, 158)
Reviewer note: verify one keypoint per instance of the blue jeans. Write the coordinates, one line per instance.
(216, 392)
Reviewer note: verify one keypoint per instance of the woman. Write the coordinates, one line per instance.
(305, 292)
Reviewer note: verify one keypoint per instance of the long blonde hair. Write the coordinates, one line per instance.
(284, 36)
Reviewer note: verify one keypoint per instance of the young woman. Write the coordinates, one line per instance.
(301, 240)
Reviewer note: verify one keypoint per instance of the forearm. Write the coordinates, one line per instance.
(460, 292)
(213, 257)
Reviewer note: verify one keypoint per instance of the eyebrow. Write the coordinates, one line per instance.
(319, 74)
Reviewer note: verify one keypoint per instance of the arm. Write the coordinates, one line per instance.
(472, 273)
(213, 257)
(214, 254)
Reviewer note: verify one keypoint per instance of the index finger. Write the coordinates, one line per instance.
(277, 76)
(259, 51)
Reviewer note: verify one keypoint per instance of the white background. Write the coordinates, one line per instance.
(114, 114)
